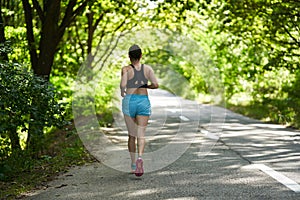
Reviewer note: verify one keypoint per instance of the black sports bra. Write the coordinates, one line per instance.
(139, 80)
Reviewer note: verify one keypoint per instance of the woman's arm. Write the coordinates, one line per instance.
(152, 79)
(123, 81)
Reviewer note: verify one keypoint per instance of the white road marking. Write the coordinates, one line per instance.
(208, 134)
(278, 176)
(173, 110)
(184, 118)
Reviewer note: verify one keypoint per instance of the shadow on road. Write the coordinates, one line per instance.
(209, 168)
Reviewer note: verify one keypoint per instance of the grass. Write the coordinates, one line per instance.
(270, 113)
(63, 151)
(257, 111)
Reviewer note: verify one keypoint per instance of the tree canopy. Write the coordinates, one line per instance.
(246, 51)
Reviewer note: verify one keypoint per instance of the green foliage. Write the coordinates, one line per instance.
(5, 149)
(247, 50)
(293, 100)
(5, 48)
(95, 94)
(96, 33)
(247, 43)
(105, 97)
(21, 173)
(63, 92)
(178, 61)
(26, 101)
(254, 46)
(17, 43)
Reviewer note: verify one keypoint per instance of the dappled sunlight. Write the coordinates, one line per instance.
(267, 125)
(259, 142)
(183, 198)
(167, 172)
(136, 193)
(217, 175)
(85, 195)
(236, 127)
(60, 68)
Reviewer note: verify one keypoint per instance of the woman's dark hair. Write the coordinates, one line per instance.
(135, 52)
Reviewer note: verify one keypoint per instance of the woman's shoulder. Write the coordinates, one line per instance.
(126, 68)
(147, 67)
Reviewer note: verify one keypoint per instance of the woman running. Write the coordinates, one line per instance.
(136, 105)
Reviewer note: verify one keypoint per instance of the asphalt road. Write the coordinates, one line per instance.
(193, 152)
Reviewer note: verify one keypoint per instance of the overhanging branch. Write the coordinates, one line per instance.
(39, 10)
(30, 36)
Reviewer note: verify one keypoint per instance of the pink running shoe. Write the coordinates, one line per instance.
(139, 167)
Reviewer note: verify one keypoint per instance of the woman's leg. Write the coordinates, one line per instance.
(142, 122)
(132, 133)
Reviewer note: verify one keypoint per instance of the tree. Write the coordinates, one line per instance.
(3, 53)
(259, 51)
(18, 88)
(105, 22)
(273, 24)
(43, 46)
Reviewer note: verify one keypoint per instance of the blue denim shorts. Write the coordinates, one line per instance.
(136, 104)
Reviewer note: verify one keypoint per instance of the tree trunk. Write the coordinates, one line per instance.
(30, 36)
(49, 41)
(14, 140)
(3, 55)
(50, 36)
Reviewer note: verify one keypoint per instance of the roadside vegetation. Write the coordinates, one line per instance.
(240, 54)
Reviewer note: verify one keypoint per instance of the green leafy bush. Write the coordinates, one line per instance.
(293, 101)
(28, 105)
